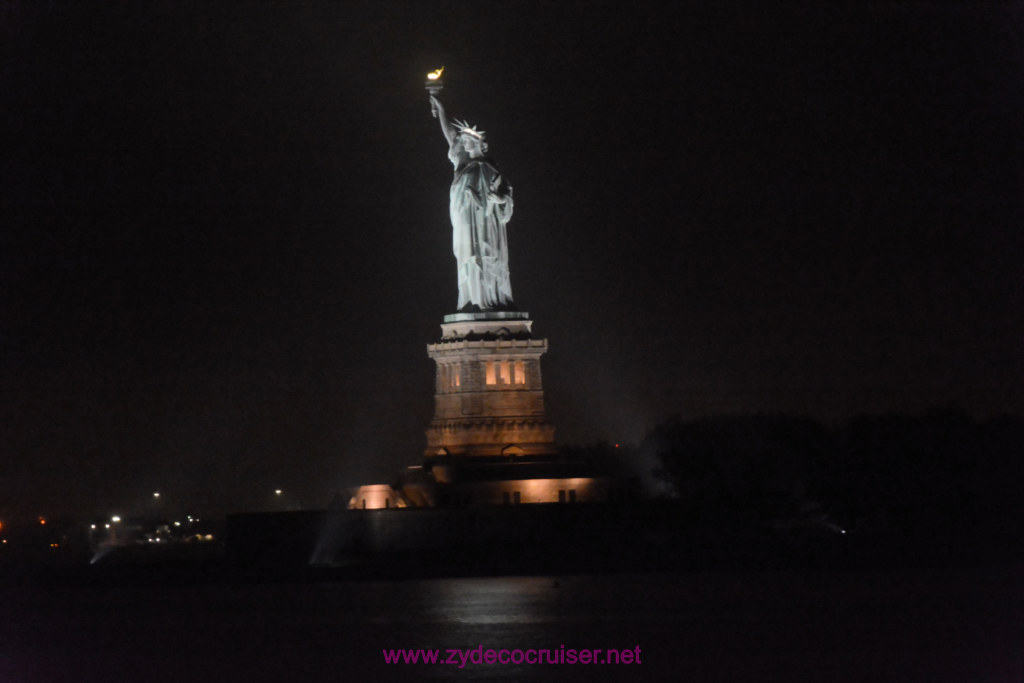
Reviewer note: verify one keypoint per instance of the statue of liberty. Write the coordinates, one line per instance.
(480, 203)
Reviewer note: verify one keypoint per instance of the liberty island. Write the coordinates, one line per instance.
(490, 441)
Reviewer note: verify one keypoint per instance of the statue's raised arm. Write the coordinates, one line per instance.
(480, 204)
(446, 128)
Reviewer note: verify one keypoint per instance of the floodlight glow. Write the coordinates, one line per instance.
(115, 518)
(434, 75)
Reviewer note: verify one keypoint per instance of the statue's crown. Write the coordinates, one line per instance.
(466, 129)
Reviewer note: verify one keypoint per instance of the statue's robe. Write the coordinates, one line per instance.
(479, 238)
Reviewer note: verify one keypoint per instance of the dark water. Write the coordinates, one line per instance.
(964, 625)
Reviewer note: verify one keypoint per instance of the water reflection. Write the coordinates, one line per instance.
(843, 627)
(499, 600)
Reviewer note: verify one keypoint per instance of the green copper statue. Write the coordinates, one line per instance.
(481, 206)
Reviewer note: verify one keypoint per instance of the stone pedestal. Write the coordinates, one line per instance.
(488, 396)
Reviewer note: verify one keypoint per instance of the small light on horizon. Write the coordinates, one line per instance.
(277, 492)
(115, 518)
(156, 494)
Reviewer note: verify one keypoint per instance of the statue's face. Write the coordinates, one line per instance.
(471, 145)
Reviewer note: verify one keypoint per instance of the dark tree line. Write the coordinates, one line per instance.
(936, 471)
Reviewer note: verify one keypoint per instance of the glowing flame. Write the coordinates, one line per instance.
(435, 75)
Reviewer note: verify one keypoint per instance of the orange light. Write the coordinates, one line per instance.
(434, 75)
(42, 521)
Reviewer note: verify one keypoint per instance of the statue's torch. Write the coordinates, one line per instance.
(434, 84)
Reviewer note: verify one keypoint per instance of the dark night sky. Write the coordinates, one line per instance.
(225, 240)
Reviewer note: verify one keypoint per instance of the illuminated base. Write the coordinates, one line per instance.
(490, 442)
(477, 481)
(501, 481)
(376, 497)
(488, 396)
